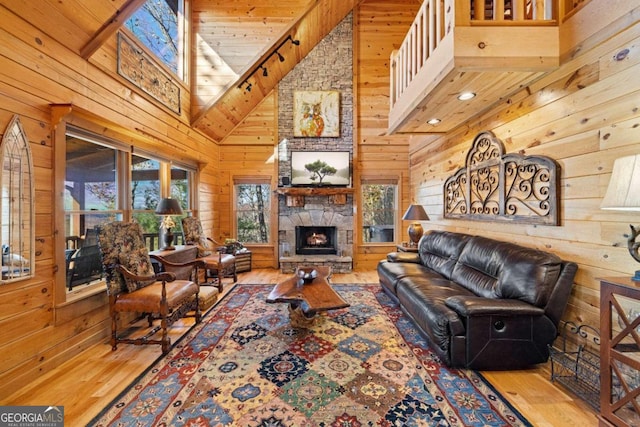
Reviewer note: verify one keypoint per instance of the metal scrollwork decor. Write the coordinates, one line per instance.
(498, 186)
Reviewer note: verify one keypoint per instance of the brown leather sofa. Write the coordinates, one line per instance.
(481, 303)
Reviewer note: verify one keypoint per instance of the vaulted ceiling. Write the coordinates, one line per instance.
(231, 38)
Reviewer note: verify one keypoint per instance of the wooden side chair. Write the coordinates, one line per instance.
(132, 285)
(218, 264)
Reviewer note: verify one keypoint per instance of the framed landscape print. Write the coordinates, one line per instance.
(316, 113)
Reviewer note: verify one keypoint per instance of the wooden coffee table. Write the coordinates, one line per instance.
(307, 299)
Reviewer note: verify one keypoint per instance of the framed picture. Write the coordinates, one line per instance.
(316, 113)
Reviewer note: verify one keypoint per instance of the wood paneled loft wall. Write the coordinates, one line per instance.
(585, 115)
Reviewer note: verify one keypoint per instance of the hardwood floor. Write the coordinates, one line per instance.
(85, 384)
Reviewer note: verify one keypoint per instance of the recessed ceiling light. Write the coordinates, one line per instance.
(433, 122)
(465, 96)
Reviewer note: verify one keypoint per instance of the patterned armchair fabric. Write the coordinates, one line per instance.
(217, 265)
(123, 243)
(193, 235)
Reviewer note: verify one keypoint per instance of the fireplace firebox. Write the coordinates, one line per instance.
(316, 240)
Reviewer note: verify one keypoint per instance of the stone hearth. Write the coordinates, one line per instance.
(317, 212)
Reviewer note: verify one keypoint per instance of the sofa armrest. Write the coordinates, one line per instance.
(403, 257)
(470, 306)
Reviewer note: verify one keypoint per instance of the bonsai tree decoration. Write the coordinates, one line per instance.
(319, 170)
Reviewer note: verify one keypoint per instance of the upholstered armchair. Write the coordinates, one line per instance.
(218, 263)
(133, 287)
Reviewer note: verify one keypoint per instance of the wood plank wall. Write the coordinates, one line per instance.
(39, 329)
(250, 152)
(380, 27)
(585, 115)
(228, 35)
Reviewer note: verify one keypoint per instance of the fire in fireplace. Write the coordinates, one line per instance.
(316, 240)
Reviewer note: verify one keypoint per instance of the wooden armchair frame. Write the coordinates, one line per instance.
(156, 296)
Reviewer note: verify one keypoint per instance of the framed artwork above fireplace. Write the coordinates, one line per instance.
(316, 113)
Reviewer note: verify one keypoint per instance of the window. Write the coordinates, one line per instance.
(378, 211)
(16, 204)
(253, 212)
(145, 192)
(104, 182)
(159, 25)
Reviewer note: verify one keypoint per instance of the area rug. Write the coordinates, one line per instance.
(366, 365)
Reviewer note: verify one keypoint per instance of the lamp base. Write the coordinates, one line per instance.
(415, 231)
(168, 241)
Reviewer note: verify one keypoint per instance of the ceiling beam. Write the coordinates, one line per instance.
(110, 27)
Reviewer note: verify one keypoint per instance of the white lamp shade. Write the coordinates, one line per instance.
(623, 192)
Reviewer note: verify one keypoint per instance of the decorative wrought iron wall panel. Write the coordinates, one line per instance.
(497, 186)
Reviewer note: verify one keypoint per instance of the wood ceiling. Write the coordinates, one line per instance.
(231, 38)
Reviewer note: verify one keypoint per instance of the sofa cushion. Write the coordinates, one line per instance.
(495, 269)
(479, 266)
(390, 273)
(530, 275)
(423, 298)
(439, 250)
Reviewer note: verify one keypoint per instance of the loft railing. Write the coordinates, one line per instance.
(437, 18)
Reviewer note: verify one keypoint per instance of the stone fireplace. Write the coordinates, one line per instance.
(314, 240)
(328, 67)
(333, 225)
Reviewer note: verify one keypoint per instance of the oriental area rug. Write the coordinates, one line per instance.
(366, 365)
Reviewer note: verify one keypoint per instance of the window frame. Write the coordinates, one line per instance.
(184, 44)
(16, 199)
(380, 180)
(124, 207)
(254, 180)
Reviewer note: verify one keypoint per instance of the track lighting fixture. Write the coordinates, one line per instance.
(262, 67)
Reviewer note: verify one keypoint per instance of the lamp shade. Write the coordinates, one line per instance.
(169, 206)
(415, 213)
(623, 192)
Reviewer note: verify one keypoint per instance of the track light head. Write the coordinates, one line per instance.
(296, 42)
(248, 88)
(280, 57)
(265, 73)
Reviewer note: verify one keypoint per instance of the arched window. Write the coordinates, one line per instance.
(16, 204)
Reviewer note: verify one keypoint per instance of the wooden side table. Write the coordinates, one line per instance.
(619, 352)
(243, 261)
(407, 248)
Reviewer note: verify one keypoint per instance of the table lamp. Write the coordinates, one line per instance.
(623, 194)
(415, 213)
(168, 207)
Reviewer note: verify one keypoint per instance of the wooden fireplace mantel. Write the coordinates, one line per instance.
(295, 195)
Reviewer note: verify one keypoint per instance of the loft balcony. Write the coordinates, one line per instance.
(491, 48)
